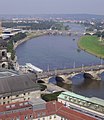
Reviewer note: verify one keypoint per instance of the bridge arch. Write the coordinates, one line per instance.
(63, 78)
(40, 81)
(71, 75)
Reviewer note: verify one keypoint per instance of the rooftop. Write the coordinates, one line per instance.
(97, 101)
(7, 73)
(52, 108)
(3, 43)
(92, 99)
(73, 95)
(19, 83)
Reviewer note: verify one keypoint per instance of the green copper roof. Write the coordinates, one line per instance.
(66, 95)
(73, 95)
(97, 101)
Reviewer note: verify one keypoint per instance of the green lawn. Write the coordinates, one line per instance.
(92, 45)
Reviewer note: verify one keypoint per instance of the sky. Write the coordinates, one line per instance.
(52, 7)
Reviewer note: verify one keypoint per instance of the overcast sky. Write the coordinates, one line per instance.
(51, 6)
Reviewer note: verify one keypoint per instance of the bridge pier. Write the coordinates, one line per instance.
(63, 79)
(93, 76)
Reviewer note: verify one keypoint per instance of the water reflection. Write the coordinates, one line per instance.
(86, 87)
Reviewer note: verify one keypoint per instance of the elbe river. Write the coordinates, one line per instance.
(58, 52)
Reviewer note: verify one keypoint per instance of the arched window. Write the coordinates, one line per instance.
(3, 65)
(3, 53)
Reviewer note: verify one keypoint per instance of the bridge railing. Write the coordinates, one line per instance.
(47, 74)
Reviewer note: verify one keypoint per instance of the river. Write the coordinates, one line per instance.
(58, 52)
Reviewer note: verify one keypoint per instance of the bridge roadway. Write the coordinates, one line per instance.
(57, 32)
(53, 73)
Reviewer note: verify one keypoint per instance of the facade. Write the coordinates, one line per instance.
(18, 88)
(3, 54)
(37, 109)
(92, 106)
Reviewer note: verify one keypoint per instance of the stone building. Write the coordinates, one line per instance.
(1, 27)
(18, 88)
(3, 54)
(38, 109)
(93, 106)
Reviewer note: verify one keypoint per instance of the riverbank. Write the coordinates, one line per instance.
(37, 33)
(30, 35)
(92, 45)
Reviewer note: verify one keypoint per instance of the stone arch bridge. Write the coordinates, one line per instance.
(92, 72)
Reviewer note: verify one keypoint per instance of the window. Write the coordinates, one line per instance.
(3, 97)
(43, 113)
(3, 102)
(54, 116)
(31, 116)
(26, 118)
(38, 114)
(17, 95)
(8, 96)
(3, 53)
(50, 117)
(3, 65)
(62, 118)
(65, 97)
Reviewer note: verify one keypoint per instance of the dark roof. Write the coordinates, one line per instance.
(3, 43)
(19, 83)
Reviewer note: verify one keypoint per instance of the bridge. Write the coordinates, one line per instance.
(58, 32)
(92, 72)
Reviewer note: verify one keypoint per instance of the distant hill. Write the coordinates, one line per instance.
(65, 16)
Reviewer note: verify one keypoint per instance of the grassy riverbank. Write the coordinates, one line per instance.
(93, 45)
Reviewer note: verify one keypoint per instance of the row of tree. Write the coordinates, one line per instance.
(10, 46)
(98, 34)
(35, 26)
(18, 37)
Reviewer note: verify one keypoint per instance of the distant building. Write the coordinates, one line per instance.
(18, 88)
(9, 32)
(37, 109)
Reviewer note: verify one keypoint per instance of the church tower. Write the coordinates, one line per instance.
(1, 27)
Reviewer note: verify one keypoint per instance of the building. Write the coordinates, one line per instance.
(1, 28)
(93, 106)
(18, 88)
(3, 54)
(37, 109)
(9, 32)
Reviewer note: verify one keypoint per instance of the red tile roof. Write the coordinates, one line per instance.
(59, 109)
(52, 108)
